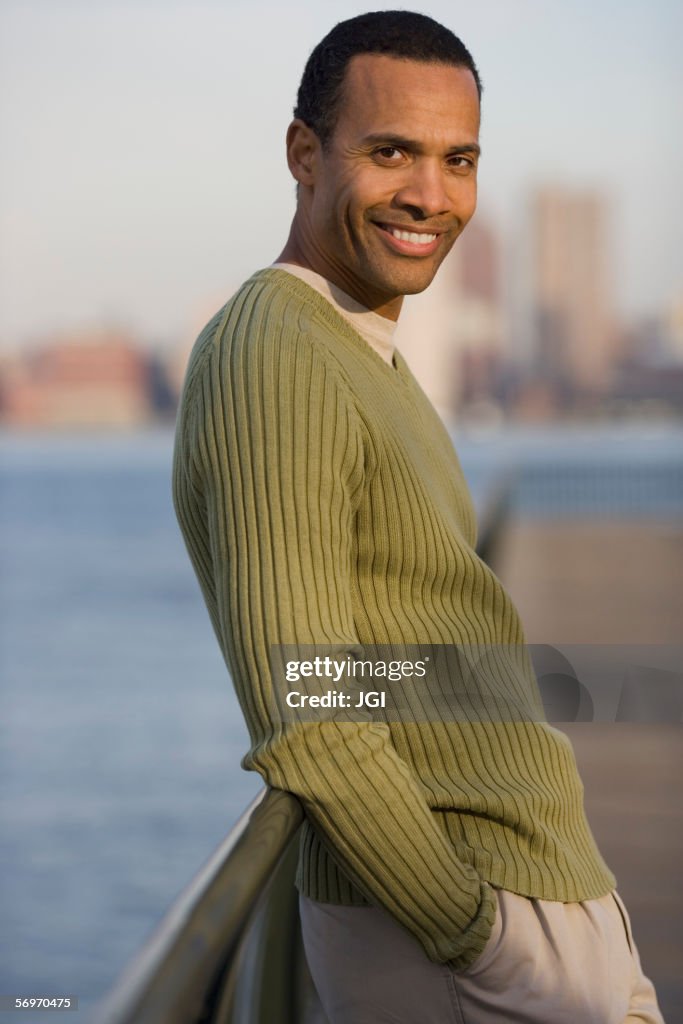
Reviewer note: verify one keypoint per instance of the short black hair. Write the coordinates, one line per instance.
(402, 34)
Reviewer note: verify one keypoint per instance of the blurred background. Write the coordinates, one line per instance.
(143, 179)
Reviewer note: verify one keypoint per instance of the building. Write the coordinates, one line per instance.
(79, 380)
(574, 341)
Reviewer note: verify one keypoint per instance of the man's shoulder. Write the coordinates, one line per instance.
(272, 329)
(268, 310)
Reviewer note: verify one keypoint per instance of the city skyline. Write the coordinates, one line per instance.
(145, 175)
(567, 356)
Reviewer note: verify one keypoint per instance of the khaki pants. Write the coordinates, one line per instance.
(545, 963)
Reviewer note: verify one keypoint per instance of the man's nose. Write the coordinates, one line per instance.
(425, 189)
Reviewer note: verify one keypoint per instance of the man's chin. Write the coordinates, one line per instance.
(418, 289)
(410, 276)
(414, 283)
(382, 283)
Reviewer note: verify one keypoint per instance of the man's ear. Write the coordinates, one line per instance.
(303, 151)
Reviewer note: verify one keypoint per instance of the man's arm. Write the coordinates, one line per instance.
(278, 449)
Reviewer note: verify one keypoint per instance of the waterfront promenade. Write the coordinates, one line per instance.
(618, 582)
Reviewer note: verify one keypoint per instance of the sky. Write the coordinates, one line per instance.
(143, 170)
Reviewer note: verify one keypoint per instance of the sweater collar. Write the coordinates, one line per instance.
(377, 330)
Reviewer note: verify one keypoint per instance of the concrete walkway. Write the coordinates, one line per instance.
(605, 582)
(589, 582)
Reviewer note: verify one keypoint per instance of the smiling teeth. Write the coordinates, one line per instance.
(412, 236)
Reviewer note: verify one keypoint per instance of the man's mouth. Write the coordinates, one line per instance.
(410, 243)
(416, 237)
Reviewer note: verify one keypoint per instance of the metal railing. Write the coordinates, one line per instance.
(229, 950)
(206, 961)
(493, 516)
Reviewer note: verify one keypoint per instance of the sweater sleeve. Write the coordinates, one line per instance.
(278, 446)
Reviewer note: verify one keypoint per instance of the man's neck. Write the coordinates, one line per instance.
(297, 252)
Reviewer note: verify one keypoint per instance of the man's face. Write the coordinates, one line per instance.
(398, 180)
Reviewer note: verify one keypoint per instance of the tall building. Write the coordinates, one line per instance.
(674, 328)
(574, 334)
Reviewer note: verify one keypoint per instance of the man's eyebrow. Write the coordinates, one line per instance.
(402, 143)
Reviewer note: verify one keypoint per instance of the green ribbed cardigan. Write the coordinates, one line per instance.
(321, 501)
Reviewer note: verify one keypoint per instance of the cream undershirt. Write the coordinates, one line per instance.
(377, 330)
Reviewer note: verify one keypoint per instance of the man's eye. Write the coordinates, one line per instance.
(388, 153)
(461, 163)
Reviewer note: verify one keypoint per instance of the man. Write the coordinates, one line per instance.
(447, 871)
